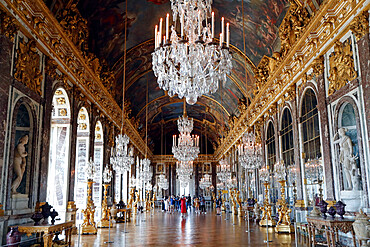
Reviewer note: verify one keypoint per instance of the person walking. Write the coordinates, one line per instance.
(196, 204)
(188, 203)
(218, 205)
(183, 206)
(203, 205)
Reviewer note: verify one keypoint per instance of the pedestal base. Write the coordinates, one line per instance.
(104, 223)
(20, 204)
(284, 228)
(267, 222)
(353, 200)
(89, 230)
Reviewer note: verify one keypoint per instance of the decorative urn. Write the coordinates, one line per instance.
(36, 217)
(53, 215)
(45, 211)
(323, 208)
(361, 226)
(332, 212)
(13, 237)
(113, 210)
(340, 206)
(315, 212)
(251, 202)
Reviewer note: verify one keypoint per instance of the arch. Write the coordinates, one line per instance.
(286, 137)
(82, 157)
(59, 150)
(270, 145)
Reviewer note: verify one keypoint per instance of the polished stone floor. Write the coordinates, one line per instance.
(160, 229)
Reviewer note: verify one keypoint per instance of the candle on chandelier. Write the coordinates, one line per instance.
(223, 28)
(182, 24)
(164, 39)
(220, 39)
(167, 25)
(199, 24)
(227, 34)
(160, 29)
(213, 25)
(155, 36)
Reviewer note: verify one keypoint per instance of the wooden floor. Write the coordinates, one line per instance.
(161, 229)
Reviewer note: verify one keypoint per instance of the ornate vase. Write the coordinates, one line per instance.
(361, 226)
(13, 237)
(45, 210)
(332, 212)
(323, 208)
(340, 206)
(53, 215)
(36, 217)
(251, 202)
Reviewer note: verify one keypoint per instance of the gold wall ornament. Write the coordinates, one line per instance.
(284, 224)
(267, 219)
(262, 73)
(360, 25)
(27, 66)
(89, 226)
(61, 101)
(82, 126)
(8, 25)
(318, 66)
(63, 112)
(105, 218)
(342, 68)
(291, 93)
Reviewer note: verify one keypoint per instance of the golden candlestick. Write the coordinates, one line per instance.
(284, 224)
(89, 226)
(104, 222)
(131, 198)
(266, 209)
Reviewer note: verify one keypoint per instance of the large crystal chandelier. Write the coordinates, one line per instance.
(184, 172)
(205, 181)
(223, 171)
(250, 152)
(162, 182)
(186, 146)
(121, 157)
(145, 173)
(191, 64)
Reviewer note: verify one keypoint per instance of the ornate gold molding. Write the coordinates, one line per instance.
(171, 159)
(8, 25)
(82, 69)
(360, 25)
(27, 66)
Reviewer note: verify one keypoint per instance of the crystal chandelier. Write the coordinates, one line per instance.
(264, 174)
(250, 152)
(107, 175)
(186, 147)
(162, 182)
(184, 172)
(145, 174)
(280, 170)
(121, 158)
(90, 170)
(223, 172)
(191, 64)
(205, 181)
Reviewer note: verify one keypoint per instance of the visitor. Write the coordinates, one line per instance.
(218, 205)
(196, 204)
(177, 203)
(183, 207)
(202, 205)
(172, 206)
(163, 205)
(188, 203)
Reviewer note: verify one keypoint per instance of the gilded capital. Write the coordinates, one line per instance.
(360, 25)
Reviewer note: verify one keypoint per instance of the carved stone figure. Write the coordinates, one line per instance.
(19, 163)
(346, 157)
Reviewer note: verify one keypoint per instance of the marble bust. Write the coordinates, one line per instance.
(19, 163)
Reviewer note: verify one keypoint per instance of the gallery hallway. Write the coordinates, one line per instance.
(162, 229)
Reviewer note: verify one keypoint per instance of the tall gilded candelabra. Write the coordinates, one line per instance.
(105, 219)
(284, 224)
(89, 225)
(266, 219)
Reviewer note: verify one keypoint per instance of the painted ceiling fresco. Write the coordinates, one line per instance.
(106, 20)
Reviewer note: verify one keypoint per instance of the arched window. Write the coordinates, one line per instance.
(98, 160)
(59, 152)
(270, 146)
(310, 127)
(286, 132)
(82, 156)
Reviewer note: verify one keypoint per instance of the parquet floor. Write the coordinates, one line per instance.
(161, 229)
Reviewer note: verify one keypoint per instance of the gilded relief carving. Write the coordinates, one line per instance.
(8, 25)
(342, 68)
(27, 66)
(360, 25)
(261, 73)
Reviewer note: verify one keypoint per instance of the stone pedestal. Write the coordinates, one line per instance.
(20, 204)
(353, 199)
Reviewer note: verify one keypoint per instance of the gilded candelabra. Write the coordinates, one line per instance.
(104, 222)
(266, 209)
(131, 198)
(284, 224)
(89, 226)
(154, 198)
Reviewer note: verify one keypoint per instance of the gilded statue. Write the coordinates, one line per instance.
(342, 69)
(137, 200)
(347, 159)
(360, 25)
(232, 197)
(131, 198)
(28, 66)
(19, 163)
(237, 199)
(154, 199)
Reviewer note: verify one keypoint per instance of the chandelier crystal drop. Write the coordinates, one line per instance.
(186, 146)
(191, 64)
(250, 152)
(121, 157)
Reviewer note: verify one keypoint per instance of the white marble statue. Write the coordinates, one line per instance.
(19, 163)
(347, 159)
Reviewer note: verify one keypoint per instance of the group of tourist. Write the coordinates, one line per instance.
(183, 204)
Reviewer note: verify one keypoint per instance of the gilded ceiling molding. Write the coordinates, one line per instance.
(82, 68)
(302, 39)
(8, 25)
(360, 25)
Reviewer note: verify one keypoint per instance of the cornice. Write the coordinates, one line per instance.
(330, 22)
(170, 159)
(36, 21)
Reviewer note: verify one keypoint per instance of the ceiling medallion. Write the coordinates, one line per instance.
(193, 63)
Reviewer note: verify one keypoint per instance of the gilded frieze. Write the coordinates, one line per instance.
(318, 66)
(27, 66)
(342, 69)
(360, 25)
(8, 26)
